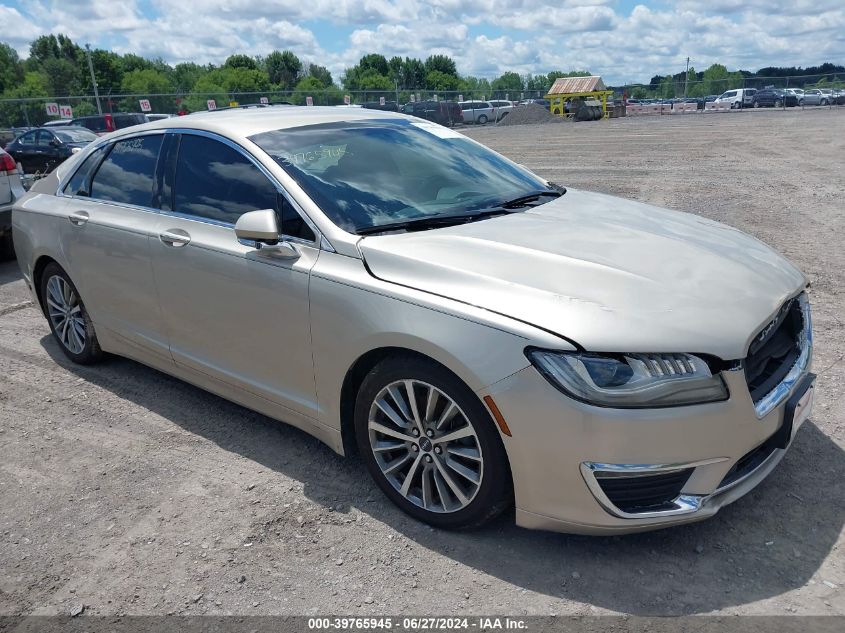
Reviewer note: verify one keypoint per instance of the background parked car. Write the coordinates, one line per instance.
(159, 117)
(57, 123)
(40, 150)
(799, 94)
(839, 97)
(477, 111)
(104, 123)
(389, 106)
(446, 113)
(738, 98)
(10, 190)
(814, 96)
(772, 97)
(502, 108)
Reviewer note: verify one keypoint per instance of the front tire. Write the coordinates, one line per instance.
(482, 119)
(430, 444)
(69, 320)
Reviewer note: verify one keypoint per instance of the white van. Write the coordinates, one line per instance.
(736, 97)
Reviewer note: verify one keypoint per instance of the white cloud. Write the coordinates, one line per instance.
(485, 38)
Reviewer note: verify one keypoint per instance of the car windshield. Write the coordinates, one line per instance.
(379, 172)
(75, 136)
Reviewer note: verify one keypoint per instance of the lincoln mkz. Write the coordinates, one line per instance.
(484, 339)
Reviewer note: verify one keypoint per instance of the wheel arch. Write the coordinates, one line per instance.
(37, 271)
(362, 366)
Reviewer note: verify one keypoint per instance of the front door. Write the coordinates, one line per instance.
(234, 312)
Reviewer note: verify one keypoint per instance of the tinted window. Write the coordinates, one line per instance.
(128, 172)
(79, 184)
(216, 182)
(44, 138)
(28, 138)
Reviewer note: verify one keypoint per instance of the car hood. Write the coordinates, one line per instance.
(607, 273)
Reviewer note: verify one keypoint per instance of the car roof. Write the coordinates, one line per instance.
(243, 123)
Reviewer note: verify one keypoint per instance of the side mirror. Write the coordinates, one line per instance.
(56, 142)
(260, 228)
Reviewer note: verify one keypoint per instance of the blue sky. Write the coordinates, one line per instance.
(623, 40)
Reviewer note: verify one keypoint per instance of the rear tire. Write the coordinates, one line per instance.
(69, 320)
(459, 483)
(482, 119)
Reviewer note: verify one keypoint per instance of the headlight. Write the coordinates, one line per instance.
(630, 380)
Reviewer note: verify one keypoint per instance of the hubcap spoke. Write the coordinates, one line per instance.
(425, 446)
(455, 435)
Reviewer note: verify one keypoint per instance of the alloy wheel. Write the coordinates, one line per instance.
(425, 446)
(65, 312)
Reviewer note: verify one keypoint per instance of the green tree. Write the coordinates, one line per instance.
(438, 80)
(143, 84)
(185, 75)
(312, 87)
(441, 63)
(283, 69)
(241, 61)
(108, 69)
(412, 74)
(132, 62)
(11, 69)
(475, 87)
(204, 89)
(321, 74)
(375, 62)
(34, 85)
(509, 82)
(63, 77)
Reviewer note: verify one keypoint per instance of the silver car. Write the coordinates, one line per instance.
(481, 337)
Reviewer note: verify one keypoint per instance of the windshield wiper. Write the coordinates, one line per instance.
(432, 222)
(534, 196)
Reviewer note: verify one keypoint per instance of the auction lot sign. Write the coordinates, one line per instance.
(52, 109)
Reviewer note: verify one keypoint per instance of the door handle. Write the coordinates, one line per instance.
(78, 218)
(174, 237)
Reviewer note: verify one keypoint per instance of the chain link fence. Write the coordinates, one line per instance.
(32, 112)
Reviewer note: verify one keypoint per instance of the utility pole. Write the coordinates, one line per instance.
(686, 79)
(93, 78)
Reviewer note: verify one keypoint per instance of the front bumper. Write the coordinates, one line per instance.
(560, 446)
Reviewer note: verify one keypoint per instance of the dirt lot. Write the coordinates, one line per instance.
(130, 492)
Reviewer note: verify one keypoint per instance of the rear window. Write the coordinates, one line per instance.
(79, 185)
(128, 120)
(128, 172)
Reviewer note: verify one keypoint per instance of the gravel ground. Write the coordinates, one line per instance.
(129, 492)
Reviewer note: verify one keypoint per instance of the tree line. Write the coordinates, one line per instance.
(58, 67)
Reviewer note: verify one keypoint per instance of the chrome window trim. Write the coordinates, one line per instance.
(318, 240)
(273, 180)
(90, 149)
(781, 392)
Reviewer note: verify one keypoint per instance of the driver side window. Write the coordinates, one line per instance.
(216, 182)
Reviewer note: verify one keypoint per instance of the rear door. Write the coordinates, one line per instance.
(233, 312)
(24, 151)
(110, 221)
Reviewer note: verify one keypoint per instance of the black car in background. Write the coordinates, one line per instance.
(771, 97)
(104, 123)
(388, 106)
(446, 113)
(42, 149)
